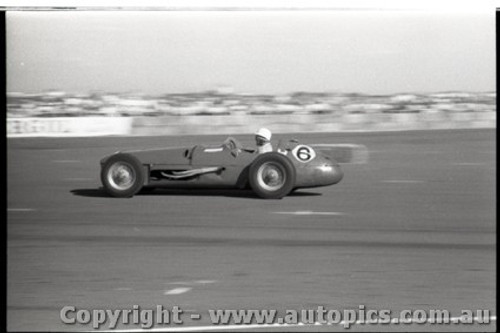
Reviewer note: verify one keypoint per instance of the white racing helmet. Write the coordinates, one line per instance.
(264, 133)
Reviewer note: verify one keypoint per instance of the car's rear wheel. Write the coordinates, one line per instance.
(272, 176)
(122, 175)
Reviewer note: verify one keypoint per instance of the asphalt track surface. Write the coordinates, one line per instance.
(414, 228)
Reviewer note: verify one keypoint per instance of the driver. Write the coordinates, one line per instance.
(263, 140)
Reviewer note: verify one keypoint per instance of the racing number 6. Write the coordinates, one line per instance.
(304, 153)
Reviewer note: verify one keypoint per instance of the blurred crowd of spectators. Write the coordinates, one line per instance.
(63, 104)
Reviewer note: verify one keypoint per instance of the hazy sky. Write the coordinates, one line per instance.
(252, 51)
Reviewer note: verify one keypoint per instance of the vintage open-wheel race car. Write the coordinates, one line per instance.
(271, 175)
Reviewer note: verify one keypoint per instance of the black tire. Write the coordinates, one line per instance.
(272, 176)
(122, 175)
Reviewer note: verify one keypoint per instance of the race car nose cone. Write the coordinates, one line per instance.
(322, 171)
(330, 173)
(326, 168)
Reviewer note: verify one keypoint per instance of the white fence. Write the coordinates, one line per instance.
(68, 126)
(234, 124)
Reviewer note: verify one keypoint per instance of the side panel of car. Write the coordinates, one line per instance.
(169, 156)
(227, 177)
(203, 156)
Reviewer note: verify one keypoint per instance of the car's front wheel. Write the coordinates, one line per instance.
(272, 176)
(122, 175)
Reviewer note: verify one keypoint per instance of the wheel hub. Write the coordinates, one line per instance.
(271, 176)
(121, 176)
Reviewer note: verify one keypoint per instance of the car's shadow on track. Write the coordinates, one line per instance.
(249, 194)
(91, 192)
